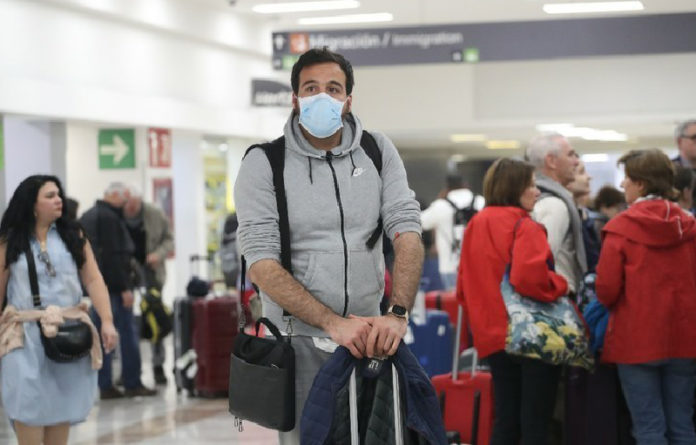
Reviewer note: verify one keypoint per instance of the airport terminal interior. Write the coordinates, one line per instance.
(165, 96)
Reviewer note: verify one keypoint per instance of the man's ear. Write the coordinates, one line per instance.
(551, 161)
(295, 104)
(349, 103)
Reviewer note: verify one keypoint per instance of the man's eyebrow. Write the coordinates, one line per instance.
(336, 82)
(309, 81)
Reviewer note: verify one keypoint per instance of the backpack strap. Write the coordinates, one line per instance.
(275, 152)
(369, 145)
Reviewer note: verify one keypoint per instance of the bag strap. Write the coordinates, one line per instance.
(369, 145)
(33, 280)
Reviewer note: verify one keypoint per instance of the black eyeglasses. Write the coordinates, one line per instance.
(44, 258)
(692, 137)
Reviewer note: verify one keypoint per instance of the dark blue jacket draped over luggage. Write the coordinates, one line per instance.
(327, 402)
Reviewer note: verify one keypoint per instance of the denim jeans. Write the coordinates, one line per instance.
(130, 352)
(660, 396)
(524, 390)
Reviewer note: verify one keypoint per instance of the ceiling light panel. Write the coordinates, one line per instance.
(353, 18)
(279, 8)
(585, 7)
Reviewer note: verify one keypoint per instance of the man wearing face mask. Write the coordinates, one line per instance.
(338, 201)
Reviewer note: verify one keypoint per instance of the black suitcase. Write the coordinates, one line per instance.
(185, 366)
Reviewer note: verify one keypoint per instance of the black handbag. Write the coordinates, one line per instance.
(74, 338)
(262, 379)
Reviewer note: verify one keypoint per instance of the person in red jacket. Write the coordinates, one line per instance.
(499, 235)
(645, 277)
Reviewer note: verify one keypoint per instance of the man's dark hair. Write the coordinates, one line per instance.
(505, 181)
(454, 182)
(609, 196)
(321, 55)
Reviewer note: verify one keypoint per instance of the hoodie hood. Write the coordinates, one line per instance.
(655, 223)
(350, 137)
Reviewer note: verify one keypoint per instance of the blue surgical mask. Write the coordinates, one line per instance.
(320, 114)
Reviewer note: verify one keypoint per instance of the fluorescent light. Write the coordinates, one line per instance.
(579, 8)
(587, 133)
(278, 8)
(354, 18)
(458, 138)
(503, 145)
(595, 157)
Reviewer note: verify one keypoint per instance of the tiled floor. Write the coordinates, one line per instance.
(169, 418)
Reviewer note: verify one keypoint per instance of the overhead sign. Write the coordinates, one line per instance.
(270, 93)
(116, 148)
(504, 41)
(159, 141)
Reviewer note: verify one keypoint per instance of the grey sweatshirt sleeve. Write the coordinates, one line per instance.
(400, 211)
(254, 196)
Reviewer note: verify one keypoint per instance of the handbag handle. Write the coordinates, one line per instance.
(33, 280)
(271, 327)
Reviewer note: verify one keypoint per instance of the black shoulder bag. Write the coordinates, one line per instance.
(74, 338)
(262, 376)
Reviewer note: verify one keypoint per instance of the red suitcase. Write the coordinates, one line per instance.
(467, 401)
(447, 301)
(215, 326)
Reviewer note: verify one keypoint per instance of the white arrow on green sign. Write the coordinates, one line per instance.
(116, 148)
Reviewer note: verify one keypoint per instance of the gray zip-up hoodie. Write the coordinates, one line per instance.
(333, 208)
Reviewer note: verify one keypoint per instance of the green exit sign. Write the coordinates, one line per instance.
(116, 148)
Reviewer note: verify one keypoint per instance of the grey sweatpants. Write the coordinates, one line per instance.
(308, 360)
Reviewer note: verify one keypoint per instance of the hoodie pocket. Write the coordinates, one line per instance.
(366, 284)
(324, 279)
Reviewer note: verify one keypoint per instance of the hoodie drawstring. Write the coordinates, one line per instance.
(352, 162)
(311, 179)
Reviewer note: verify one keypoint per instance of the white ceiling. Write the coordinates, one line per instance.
(652, 129)
(420, 12)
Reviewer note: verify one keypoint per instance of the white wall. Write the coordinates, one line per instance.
(32, 146)
(73, 62)
(189, 214)
(507, 99)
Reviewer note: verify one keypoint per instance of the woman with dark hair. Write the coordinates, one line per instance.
(503, 234)
(645, 277)
(41, 397)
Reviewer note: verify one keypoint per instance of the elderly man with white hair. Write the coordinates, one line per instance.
(113, 249)
(555, 162)
(149, 228)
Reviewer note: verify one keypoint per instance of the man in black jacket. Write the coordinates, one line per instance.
(114, 249)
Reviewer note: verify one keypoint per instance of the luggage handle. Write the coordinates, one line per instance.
(456, 356)
(271, 327)
(353, 405)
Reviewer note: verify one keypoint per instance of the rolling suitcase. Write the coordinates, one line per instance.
(444, 300)
(215, 327)
(185, 366)
(431, 342)
(355, 432)
(466, 400)
(185, 363)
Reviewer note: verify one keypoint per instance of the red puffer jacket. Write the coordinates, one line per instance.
(485, 254)
(646, 276)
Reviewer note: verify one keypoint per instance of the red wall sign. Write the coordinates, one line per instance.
(159, 140)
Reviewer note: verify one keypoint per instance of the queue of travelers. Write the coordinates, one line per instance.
(534, 230)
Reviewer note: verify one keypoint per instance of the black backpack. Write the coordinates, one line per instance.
(275, 152)
(460, 219)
